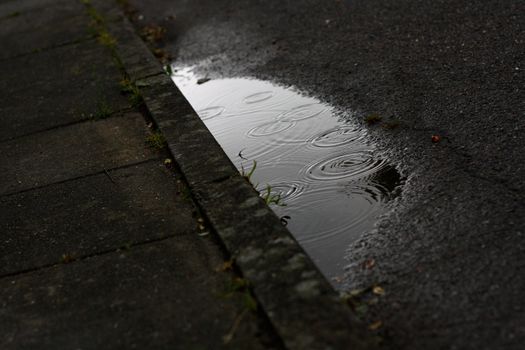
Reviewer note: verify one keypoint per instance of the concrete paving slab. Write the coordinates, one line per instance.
(92, 215)
(13, 8)
(72, 151)
(129, 299)
(57, 23)
(84, 188)
(57, 87)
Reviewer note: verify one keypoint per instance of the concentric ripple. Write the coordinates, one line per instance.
(270, 128)
(333, 181)
(258, 97)
(348, 166)
(288, 191)
(210, 112)
(336, 137)
(302, 112)
(342, 217)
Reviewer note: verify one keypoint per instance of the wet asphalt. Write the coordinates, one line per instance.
(450, 253)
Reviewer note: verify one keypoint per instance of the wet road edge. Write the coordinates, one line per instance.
(302, 306)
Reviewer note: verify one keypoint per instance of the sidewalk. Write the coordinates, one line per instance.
(103, 243)
(101, 247)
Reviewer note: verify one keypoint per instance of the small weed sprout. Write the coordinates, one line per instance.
(103, 111)
(168, 70)
(13, 14)
(248, 176)
(135, 98)
(271, 198)
(67, 258)
(95, 16)
(267, 195)
(373, 119)
(156, 140)
(106, 39)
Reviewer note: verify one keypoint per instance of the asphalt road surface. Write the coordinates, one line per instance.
(450, 254)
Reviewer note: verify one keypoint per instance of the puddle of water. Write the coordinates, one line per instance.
(332, 181)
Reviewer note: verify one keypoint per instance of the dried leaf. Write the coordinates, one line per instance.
(356, 292)
(226, 266)
(377, 290)
(369, 264)
(153, 33)
(203, 80)
(375, 326)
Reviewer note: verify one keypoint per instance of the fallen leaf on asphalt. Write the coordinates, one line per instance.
(153, 33)
(337, 279)
(356, 292)
(162, 54)
(368, 264)
(203, 80)
(377, 290)
(67, 258)
(226, 266)
(375, 326)
(373, 119)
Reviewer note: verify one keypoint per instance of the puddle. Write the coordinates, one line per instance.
(333, 182)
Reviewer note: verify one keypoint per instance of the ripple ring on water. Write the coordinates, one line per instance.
(270, 128)
(351, 165)
(302, 112)
(335, 137)
(258, 97)
(210, 112)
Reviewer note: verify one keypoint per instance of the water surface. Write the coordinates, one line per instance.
(333, 182)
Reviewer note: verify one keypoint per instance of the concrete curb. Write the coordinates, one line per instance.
(302, 306)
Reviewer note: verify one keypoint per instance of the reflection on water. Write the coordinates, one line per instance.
(333, 182)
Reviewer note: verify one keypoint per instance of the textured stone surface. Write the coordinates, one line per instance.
(58, 87)
(101, 243)
(162, 295)
(42, 27)
(73, 151)
(92, 215)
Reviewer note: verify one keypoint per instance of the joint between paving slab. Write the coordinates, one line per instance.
(115, 114)
(100, 172)
(47, 48)
(73, 259)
